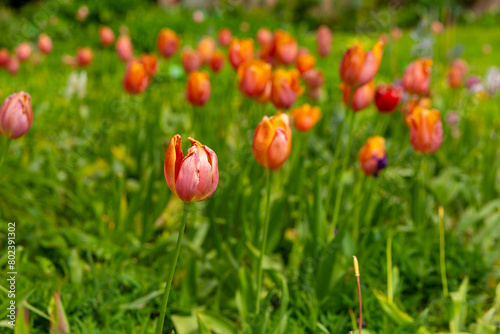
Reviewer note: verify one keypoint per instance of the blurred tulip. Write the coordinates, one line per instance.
(13, 65)
(191, 60)
(217, 61)
(240, 51)
(314, 78)
(426, 129)
(286, 47)
(84, 56)
(194, 177)
(305, 117)
(417, 76)
(44, 44)
(198, 16)
(387, 98)
(285, 87)
(150, 62)
(82, 13)
(106, 36)
(324, 40)
(124, 48)
(423, 102)
(303, 51)
(358, 66)
(224, 37)
(456, 73)
(437, 27)
(167, 42)
(4, 57)
(264, 36)
(305, 63)
(23, 51)
(16, 115)
(272, 141)
(372, 156)
(362, 98)
(254, 76)
(198, 88)
(136, 78)
(206, 49)
(396, 33)
(314, 93)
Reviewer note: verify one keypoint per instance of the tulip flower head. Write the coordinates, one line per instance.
(456, 73)
(324, 39)
(362, 98)
(305, 117)
(167, 42)
(4, 57)
(254, 76)
(150, 62)
(372, 156)
(305, 63)
(272, 141)
(198, 88)
(106, 36)
(16, 115)
(358, 66)
(286, 47)
(224, 37)
(206, 49)
(264, 36)
(84, 56)
(194, 177)
(13, 65)
(217, 61)
(387, 98)
(44, 44)
(23, 51)
(124, 48)
(314, 78)
(136, 78)
(285, 87)
(191, 60)
(417, 76)
(426, 129)
(240, 51)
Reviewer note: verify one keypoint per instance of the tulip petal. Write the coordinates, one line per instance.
(214, 163)
(188, 178)
(173, 160)
(263, 137)
(279, 149)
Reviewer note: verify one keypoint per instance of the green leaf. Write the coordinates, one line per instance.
(392, 311)
(459, 307)
(141, 302)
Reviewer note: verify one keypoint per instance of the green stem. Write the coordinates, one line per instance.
(159, 327)
(442, 253)
(264, 241)
(4, 151)
(389, 267)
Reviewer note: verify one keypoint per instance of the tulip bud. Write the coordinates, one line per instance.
(191, 60)
(362, 97)
(59, 323)
(45, 44)
(124, 48)
(194, 177)
(285, 87)
(426, 129)
(286, 47)
(417, 76)
(254, 76)
(372, 156)
(150, 63)
(305, 117)
(305, 63)
(240, 51)
(198, 88)
(387, 98)
(16, 115)
(23, 51)
(13, 65)
(206, 49)
(359, 67)
(217, 61)
(224, 37)
(324, 39)
(4, 57)
(272, 141)
(84, 56)
(456, 73)
(106, 36)
(167, 42)
(136, 78)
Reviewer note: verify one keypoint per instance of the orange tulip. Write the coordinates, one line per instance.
(84, 56)
(254, 75)
(286, 47)
(206, 49)
(362, 97)
(217, 61)
(224, 36)
(136, 78)
(240, 51)
(372, 156)
(194, 177)
(285, 87)
(124, 48)
(45, 44)
(426, 129)
(198, 88)
(417, 76)
(324, 39)
(305, 117)
(167, 42)
(358, 66)
(191, 60)
(150, 62)
(272, 141)
(305, 63)
(423, 102)
(106, 36)
(456, 73)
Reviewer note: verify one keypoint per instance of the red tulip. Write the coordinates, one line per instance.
(224, 37)
(124, 48)
(150, 62)
(4, 57)
(324, 39)
(254, 76)
(314, 78)
(240, 51)
(456, 73)
(136, 78)
(84, 56)
(362, 98)
(191, 60)
(426, 129)
(13, 65)
(387, 98)
(217, 61)
(198, 88)
(106, 36)
(264, 36)
(45, 44)
(359, 67)
(417, 76)
(167, 42)
(16, 115)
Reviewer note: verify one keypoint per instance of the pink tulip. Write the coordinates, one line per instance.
(16, 115)
(106, 36)
(324, 39)
(23, 51)
(13, 65)
(4, 57)
(45, 44)
(124, 48)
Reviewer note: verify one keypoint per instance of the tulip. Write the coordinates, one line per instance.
(362, 97)
(198, 16)
(16, 115)
(194, 177)
(254, 76)
(456, 73)
(372, 156)
(314, 78)
(426, 129)
(45, 44)
(106, 36)
(286, 47)
(224, 37)
(84, 56)
(124, 48)
(417, 76)
(4, 57)
(264, 36)
(305, 63)
(240, 51)
(359, 67)
(324, 39)
(285, 87)
(23, 51)
(198, 88)
(423, 102)
(82, 13)
(305, 117)
(387, 98)
(437, 27)
(136, 78)
(167, 42)
(150, 62)
(272, 141)
(217, 61)
(13, 65)
(191, 60)
(206, 49)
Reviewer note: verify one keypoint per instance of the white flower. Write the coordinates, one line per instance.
(77, 84)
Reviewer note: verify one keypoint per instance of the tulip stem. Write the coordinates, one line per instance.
(264, 241)
(444, 281)
(5, 148)
(390, 297)
(159, 326)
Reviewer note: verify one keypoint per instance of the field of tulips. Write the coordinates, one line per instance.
(184, 171)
